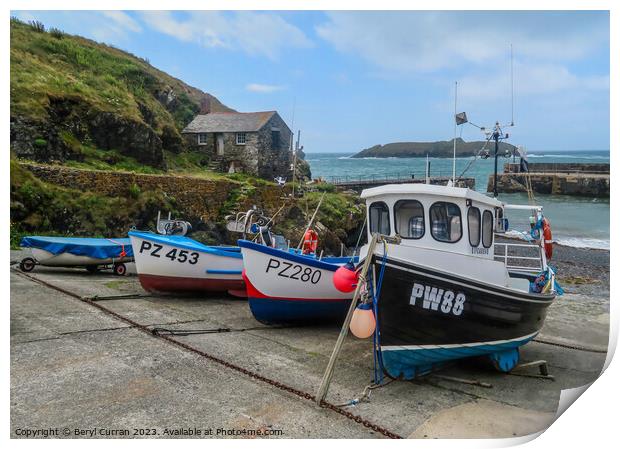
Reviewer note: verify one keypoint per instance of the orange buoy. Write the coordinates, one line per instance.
(345, 278)
(363, 321)
(548, 240)
(311, 241)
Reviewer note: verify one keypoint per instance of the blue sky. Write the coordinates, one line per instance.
(356, 79)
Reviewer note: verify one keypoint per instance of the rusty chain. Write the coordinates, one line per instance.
(282, 386)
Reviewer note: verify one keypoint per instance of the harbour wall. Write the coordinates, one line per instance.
(553, 184)
(559, 167)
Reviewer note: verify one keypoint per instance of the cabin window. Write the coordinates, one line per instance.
(409, 219)
(240, 139)
(487, 229)
(446, 222)
(379, 218)
(473, 225)
(202, 139)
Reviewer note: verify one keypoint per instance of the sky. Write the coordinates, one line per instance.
(350, 80)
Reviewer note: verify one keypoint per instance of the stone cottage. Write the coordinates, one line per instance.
(257, 143)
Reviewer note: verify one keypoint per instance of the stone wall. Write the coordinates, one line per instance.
(594, 185)
(200, 199)
(553, 167)
(273, 160)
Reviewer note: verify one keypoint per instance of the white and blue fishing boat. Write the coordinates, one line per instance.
(90, 253)
(179, 264)
(287, 286)
(446, 287)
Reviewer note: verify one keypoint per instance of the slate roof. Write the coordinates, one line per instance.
(231, 122)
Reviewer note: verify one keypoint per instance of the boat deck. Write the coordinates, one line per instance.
(77, 366)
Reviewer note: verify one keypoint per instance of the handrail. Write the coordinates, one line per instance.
(506, 257)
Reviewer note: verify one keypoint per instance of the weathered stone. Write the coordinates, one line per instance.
(595, 185)
(260, 155)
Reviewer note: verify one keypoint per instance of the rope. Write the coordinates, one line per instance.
(311, 220)
(359, 238)
(123, 253)
(378, 360)
(468, 166)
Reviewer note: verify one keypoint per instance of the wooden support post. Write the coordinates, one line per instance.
(329, 371)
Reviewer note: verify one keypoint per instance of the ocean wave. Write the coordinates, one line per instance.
(575, 242)
(582, 242)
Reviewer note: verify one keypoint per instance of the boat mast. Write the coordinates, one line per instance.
(291, 140)
(496, 136)
(454, 141)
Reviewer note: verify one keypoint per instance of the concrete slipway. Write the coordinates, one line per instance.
(74, 366)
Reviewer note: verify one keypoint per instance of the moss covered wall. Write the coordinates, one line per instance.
(197, 197)
(68, 201)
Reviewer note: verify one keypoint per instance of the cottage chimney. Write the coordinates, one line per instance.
(205, 105)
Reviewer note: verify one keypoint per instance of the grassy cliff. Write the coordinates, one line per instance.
(76, 100)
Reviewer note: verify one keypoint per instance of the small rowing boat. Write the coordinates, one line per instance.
(90, 253)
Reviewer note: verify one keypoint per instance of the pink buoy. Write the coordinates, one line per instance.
(345, 278)
(363, 321)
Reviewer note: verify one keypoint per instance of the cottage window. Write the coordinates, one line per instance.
(487, 229)
(202, 139)
(446, 222)
(379, 218)
(240, 138)
(473, 224)
(275, 139)
(409, 219)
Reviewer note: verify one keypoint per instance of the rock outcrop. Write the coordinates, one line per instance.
(444, 148)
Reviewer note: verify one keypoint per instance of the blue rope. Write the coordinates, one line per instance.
(378, 361)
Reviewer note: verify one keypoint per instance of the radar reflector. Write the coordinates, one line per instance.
(461, 118)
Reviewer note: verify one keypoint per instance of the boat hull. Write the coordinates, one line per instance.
(289, 288)
(185, 266)
(49, 259)
(427, 317)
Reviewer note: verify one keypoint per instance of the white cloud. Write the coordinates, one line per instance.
(413, 42)
(255, 33)
(122, 20)
(530, 79)
(263, 88)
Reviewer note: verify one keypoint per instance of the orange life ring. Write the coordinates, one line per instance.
(548, 239)
(311, 241)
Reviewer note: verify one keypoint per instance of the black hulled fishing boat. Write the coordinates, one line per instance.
(448, 288)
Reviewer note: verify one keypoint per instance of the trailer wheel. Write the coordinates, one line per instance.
(120, 269)
(92, 268)
(27, 264)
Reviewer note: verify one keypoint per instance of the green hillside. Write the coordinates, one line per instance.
(83, 103)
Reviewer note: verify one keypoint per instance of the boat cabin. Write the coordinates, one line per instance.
(451, 229)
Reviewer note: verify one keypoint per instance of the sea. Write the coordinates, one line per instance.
(576, 221)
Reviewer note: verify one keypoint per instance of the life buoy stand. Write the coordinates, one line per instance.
(311, 241)
(548, 238)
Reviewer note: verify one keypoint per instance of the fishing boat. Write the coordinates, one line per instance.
(91, 253)
(178, 264)
(288, 285)
(446, 286)
(171, 262)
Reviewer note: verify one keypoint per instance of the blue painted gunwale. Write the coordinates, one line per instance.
(327, 263)
(181, 241)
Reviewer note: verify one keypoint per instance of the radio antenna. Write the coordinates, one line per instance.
(512, 91)
(454, 141)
